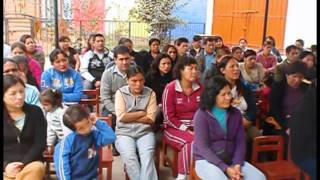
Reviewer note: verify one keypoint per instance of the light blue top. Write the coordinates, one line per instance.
(221, 116)
(32, 95)
(209, 58)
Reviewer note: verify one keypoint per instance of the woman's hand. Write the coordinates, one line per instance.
(232, 173)
(13, 168)
(271, 120)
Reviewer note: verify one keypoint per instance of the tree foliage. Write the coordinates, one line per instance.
(158, 15)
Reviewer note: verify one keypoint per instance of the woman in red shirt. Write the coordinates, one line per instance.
(180, 101)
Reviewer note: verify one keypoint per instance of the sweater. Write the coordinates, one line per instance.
(35, 69)
(178, 108)
(56, 128)
(112, 79)
(209, 138)
(27, 145)
(69, 83)
(76, 156)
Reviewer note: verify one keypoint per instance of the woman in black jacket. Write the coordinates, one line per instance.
(157, 79)
(24, 130)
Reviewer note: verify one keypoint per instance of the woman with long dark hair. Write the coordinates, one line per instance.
(219, 144)
(24, 133)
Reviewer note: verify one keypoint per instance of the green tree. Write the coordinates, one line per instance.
(158, 15)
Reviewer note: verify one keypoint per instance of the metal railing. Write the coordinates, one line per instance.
(43, 29)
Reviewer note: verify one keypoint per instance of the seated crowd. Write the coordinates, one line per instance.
(207, 101)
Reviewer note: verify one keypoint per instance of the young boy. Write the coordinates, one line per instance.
(76, 156)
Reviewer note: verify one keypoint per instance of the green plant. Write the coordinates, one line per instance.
(158, 15)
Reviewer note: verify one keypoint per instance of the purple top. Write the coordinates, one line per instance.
(291, 98)
(210, 138)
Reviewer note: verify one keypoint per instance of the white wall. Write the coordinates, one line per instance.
(301, 22)
(209, 18)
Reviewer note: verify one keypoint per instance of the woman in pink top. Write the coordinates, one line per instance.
(180, 101)
(265, 57)
(19, 48)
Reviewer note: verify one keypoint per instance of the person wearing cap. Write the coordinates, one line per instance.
(284, 96)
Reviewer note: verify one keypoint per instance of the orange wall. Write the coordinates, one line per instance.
(234, 19)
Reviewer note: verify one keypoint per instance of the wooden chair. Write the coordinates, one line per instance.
(105, 154)
(278, 169)
(173, 163)
(48, 159)
(193, 175)
(93, 98)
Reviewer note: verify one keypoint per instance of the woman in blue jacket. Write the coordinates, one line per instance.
(219, 144)
(62, 78)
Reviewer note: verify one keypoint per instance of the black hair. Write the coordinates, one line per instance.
(54, 54)
(90, 37)
(233, 50)
(63, 38)
(153, 40)
(222, 64)
(290, 48)
(268, 79)
(10, 80)
(24, 38)
(248, 53)
(51, 96)
(224, 50)
(97, 35)
(75, 113)
(134, 70)
(266, 43)
(156, 63)
(196, 38)
(19, 45)
(303, 54)
(300, 41)
(273, 41)
(166, 48)
(121, 49)
(6, 60)
(180, 40)
(208, 39)
(124, 40)
(21, 59)
(243, 39)
(296, 67)
(181, 64)
(212, 88)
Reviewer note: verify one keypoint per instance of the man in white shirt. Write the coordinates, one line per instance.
(93, 63)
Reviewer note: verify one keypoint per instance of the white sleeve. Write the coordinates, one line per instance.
(84, 64)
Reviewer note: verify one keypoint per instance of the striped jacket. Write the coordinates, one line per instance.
(178, 108)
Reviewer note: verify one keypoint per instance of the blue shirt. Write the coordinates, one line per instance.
(69, 83)
(76, 156)
(210, 58)
(32, 95)
(221, 115)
